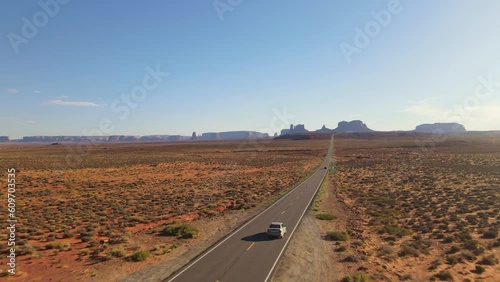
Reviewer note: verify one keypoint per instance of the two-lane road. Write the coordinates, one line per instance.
(248, 254)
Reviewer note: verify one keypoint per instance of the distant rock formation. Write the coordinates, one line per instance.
(210, 136)
(123, 138)
(324, 130)
(452, 127)
(194, 136)
(298, 129)
(174, 138)
(152, 138)
(228, 135)
(149, 138)
(343, 126)
(352, 126)
(55, 139)
(4, 139)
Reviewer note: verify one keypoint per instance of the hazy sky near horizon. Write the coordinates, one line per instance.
(94, 66)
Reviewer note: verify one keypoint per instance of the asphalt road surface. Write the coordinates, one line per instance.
(248, 254)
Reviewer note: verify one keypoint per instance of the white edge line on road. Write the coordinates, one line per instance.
(243, 226)
(290, 236)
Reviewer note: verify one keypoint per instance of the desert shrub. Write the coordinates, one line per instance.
(488, 260)
(479, 269)
(67, 246)
(453, 260)
(86, 238)
(184, 230)
(421, 245)
(464, 236)
(390, 239)
(351, 258)
(435, 264)
(471, 245)
(118, 238)
(454, 249)
(84, 251)
(448, 239)
(54, 245)
(408, 251)
(140, 255)
(341, 248)
(357, 277)
(467, 255)
(68, 234)
(490, 234)
(86, 234)
(337, 236)
(394, 230)
(407, 277)
(93, 243)
(325, 216)
(25, 249)
(386, 250)
(160, 250)
(51, 237)
(357, 243)
(438, 235)
(117, 252)
(444, 276)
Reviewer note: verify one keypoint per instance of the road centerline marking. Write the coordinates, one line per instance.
(249, 247)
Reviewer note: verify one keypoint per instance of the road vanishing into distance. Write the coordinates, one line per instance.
(248, 254)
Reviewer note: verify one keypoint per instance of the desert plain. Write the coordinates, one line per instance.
(394, 207)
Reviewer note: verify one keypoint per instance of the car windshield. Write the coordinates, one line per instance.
(274, 226)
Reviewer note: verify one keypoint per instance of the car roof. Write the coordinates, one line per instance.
(276, 222)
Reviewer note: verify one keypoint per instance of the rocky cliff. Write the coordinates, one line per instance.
(228, 135)
(295, 129)
(352, 126)
(452, 127)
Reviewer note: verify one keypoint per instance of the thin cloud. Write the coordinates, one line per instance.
(37, 91)
(482, 117)
(13, 90)
(73, 104)
(425, 108)
(62, 97)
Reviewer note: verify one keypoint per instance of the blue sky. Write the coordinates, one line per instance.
(244, 65)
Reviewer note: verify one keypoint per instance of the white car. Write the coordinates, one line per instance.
(276, 229)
